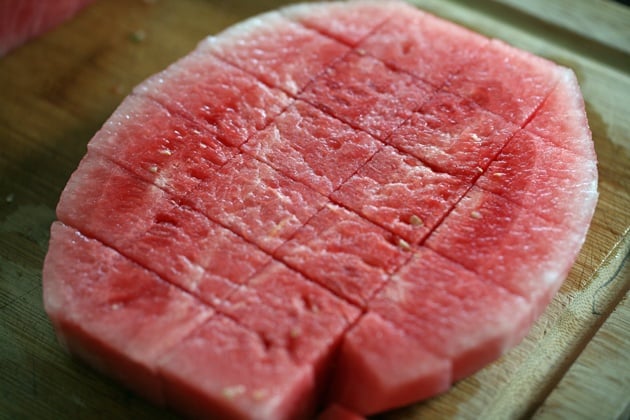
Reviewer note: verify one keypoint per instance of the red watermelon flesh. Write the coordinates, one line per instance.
(506, 81)
(381, 367)
(185, 247)
(290, 312)
(120, 321)
(330, 249)
(26, 19)
(190, 88)
(507, 244)
(226, 371)
(160, 147)
(530, 171)
(453, 135)
(453, 312)
(257, 202)
(279, 66)
(176, 242)
(428, 48)
(401, 194)
(350, 91)
(312, 147)
(563, 112)
(348, 22)
(102, 197)
(312, 203)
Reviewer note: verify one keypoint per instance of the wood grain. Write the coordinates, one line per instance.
(56, 91)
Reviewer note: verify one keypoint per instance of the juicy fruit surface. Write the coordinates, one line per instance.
(334, 203)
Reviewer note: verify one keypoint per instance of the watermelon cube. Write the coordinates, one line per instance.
(381, 367)
(167, 150)
(330, 249)
(427, 47)
(222, 99)
(348, 22)
(277, 66)
(312, 147)
(223, 370)
(400, 193)
(530, 171)
(293, 313)
(256, 202)
(562, 119)
(453, 135)
(453, 312)
(508, 244)
(363, 92)
(506, 81)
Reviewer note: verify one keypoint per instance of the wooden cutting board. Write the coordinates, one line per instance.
(56, 91)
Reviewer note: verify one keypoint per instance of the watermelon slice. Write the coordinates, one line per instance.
(347, 204)
(26, 19)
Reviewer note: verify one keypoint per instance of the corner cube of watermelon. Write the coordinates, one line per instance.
(453, 135)
(290, 312)
(533, 172)
(256, 202)
(506, 81)
(453, 312)
(331, 250)
(113, 313)
(196, 254)
(425, 46)
(108, 202)
(562, 118)
(365, 93)
(400, 193)
(226, 371)
(165, 149)
(507, 244)
(348, 22)
(222, 99)
(380, 367)
(265, 46)
(312, 147)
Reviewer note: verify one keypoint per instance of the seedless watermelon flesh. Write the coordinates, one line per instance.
(256, 201)
(190, 87)
(176, 242)
(377, 106)
(348, 22)
(485, 230)
(400, 193)
(205, 376)
(169, 150)
(312, 147)
(121, 321)
(330, 250)
(506, 81)
(453, 135)
(430, 49)
(322, 205)
(279, 66)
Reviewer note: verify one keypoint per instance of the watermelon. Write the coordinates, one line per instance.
(336, 208)
(26, 19)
